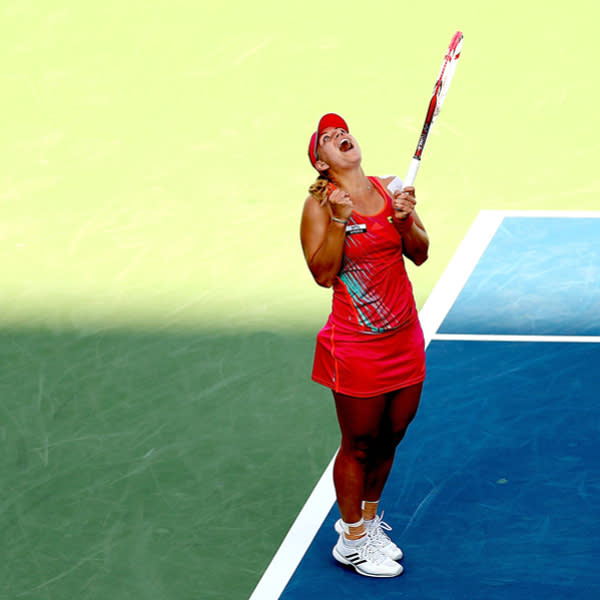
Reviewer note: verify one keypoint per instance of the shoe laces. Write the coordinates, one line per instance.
(377, 530)
(370, 550)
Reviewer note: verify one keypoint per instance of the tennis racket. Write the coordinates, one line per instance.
(440, 90)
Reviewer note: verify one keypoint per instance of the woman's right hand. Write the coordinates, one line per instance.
(340, 203)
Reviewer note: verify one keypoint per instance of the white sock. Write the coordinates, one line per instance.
(350, 529)
(346, 526)
(353, 543)
(369, 510)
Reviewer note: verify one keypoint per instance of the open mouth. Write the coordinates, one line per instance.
(345, 145)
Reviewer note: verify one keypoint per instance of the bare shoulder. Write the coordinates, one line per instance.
(310, 202)
(313, 210)
(314, 217)
(313, 226)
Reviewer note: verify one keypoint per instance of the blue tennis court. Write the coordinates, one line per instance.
(495, 492)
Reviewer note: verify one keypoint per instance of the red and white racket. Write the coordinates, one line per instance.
(435, 104)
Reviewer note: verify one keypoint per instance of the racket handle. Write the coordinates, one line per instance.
(411, 174)
(397, 185)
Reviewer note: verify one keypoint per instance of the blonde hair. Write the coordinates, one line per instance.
(318, 190)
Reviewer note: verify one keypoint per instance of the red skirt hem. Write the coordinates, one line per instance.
(363, 364)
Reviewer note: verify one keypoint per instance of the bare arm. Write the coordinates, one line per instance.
(322, 238)
(415, 240)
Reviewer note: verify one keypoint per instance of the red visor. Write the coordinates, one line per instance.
(328, 120)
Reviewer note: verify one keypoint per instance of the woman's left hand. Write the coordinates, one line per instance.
(404, 202)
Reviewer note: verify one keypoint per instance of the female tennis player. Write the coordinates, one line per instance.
(371, 351)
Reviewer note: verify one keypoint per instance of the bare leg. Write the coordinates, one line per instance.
(401, 408)
(360, 421)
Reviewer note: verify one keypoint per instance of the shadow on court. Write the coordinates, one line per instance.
(156, 465)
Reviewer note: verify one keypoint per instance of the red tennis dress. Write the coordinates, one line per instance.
(372, 342)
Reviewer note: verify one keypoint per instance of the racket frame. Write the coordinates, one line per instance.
(438, 96)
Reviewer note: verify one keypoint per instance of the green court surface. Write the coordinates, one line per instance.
(158, 427)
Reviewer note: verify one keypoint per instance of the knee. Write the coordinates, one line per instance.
(361, 448)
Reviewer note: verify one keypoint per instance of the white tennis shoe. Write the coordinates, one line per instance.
(367, 558)
(376, 530)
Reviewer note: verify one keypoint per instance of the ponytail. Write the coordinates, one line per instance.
(318, 190)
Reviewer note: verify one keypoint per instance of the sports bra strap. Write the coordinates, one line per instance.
(383, 191)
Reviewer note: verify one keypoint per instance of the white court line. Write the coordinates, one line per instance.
(434, 311)
(459, 269)
(474, 244)
(298, 539)
(560, 214)
(462, 337)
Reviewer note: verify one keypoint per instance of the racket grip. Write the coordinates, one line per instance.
(411, 174)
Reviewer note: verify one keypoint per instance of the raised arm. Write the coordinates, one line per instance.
(415, 240)
(322, 237)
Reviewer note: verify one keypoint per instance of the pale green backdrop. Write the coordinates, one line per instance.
(152, 173)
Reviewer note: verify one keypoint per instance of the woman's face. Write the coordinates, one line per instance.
(338, 149)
